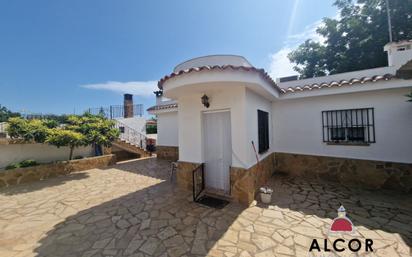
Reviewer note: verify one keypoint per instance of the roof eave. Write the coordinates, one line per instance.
(261, 72)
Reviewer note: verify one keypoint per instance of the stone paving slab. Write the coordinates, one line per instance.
(131, 209)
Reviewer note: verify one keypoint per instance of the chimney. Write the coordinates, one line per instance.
(128, 106)
(399, 53)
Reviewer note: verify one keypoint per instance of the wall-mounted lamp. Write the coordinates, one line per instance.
(205, 101)
(158, 93)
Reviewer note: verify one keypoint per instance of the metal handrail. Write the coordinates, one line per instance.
(116, 111)
(131, 135)
(195, 177)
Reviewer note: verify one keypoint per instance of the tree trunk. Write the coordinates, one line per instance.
(71, 152)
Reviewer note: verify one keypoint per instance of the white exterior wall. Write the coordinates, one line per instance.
(297, 125)
(190, 117)
(137, 123)
(399, 53)
(255, 102)
(39, 152)
(167, 129)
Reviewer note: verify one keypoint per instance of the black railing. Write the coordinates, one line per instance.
(351, 125)
(198, 177)
(116, 111)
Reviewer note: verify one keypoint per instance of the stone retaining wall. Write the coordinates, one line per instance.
(184, 174)
(245, 183)
(368, 174)
(352, 172)
(167, 152)
(44, 171)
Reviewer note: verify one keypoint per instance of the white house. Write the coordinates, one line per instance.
(354, 127)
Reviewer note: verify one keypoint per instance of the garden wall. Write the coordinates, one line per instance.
(44, 171)
(245, 183)
(350, 172)
(15, 151)
(167, 152)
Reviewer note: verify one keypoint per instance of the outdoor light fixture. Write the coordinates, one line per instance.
(205, 101)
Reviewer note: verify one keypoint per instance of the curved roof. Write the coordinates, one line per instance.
(260, 72)
(239, 63)
(213, 60)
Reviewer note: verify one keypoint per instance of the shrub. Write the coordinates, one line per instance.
(28, 163)
(12, 166)
(22, 164)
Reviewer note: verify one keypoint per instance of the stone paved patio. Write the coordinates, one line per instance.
(131, 209)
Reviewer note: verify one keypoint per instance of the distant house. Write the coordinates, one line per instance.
(151, 123)
(354, 127)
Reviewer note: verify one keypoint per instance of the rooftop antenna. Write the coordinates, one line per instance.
(389, 20)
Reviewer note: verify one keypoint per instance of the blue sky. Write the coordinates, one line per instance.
(63, 56)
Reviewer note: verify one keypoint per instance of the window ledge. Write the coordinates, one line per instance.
(348, 143)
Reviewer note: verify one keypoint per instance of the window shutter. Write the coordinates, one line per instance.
(263, 131)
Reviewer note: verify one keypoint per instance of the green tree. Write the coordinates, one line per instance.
(50, 123)
(5, 114)
(78, 131)
(355, 40)
(28, 130)
(61, 137)
(96, 128)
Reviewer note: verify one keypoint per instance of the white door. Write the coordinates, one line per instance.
(217, 141)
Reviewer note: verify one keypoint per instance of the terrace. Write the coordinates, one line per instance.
(132, 209)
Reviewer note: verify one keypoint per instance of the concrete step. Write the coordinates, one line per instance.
(217, 194)
(131, 148)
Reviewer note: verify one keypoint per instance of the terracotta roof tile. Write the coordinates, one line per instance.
(221, 68)
(340, 83)
(266, 76)
(162, 107)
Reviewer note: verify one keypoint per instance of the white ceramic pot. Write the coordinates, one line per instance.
(266, 198)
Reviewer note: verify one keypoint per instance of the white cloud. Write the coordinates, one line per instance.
(280, 66)
(141, 88)
(308, 33)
